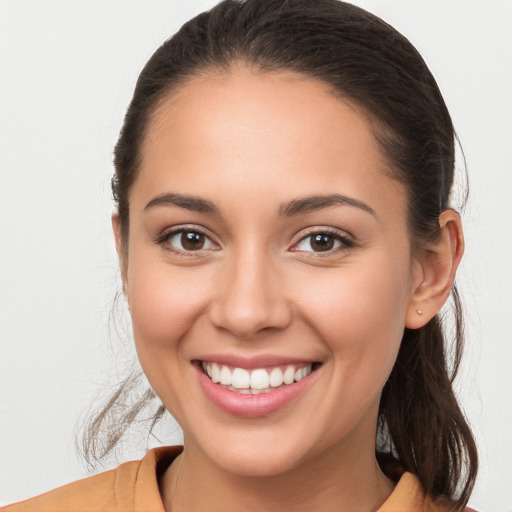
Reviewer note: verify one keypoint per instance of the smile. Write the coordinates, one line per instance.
(255, 381)
(256, 387)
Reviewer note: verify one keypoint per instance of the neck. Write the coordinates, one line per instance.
(337, 480)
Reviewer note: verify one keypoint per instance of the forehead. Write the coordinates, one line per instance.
(280, 133)
(278, 108)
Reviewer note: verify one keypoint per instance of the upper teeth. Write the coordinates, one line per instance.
(258, 379)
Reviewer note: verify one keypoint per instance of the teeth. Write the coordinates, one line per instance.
(289, 375)
(241, 378)
(255, 381)
(302, 372)
(259, 379)
(276, 377)
(214, 373)
(226, 376)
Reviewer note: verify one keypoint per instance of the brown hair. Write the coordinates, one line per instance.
(367, 62)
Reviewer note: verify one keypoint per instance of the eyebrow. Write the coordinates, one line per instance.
(290, 209)
(192, 203)
(314, 203)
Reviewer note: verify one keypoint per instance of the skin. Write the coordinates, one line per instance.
(250, 144)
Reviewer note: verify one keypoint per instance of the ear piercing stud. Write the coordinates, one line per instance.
(419, 312)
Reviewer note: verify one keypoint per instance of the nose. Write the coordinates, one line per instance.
(251, 297)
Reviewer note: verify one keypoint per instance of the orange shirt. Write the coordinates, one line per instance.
(133, 487)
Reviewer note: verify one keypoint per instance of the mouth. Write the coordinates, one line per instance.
(256, 381)
(255, 387)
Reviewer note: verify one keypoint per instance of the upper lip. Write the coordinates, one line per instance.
(261, 361)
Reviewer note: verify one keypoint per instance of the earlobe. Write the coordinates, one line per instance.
(438, 264)
(116, 228)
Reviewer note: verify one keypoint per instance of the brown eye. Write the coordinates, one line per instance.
(188, 241)
(321, 242)
(192, 241)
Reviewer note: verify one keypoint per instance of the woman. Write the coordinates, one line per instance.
(286, 243)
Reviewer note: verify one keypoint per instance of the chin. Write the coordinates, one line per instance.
(257, 463)
(260, 456)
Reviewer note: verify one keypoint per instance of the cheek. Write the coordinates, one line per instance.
(164, 305)
(360, 314)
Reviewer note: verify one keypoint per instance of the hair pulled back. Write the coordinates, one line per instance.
(366, 62)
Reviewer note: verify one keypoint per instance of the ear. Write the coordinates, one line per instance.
(120, 248)
(438, 264)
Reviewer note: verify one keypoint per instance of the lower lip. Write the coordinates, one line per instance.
(252, 406)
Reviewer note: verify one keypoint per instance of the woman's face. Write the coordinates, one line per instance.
(267, 239)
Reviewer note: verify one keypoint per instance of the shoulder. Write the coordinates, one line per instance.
(131, 486)
(95, 492)
(409, 496)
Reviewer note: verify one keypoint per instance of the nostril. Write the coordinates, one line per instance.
(249, 298)
(247, 321)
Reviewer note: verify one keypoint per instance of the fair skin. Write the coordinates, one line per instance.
(269, 278)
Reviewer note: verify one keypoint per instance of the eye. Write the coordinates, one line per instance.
(322, 242)
(188, 240)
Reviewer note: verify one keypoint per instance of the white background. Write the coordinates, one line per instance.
(67, 71)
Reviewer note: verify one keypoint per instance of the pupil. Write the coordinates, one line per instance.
(322, 242)
(192, 241)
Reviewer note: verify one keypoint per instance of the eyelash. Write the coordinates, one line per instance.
(166, 236)
(345, 243)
